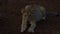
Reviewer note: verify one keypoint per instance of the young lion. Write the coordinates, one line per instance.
(32, 13)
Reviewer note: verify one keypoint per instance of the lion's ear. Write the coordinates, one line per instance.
(27, 7)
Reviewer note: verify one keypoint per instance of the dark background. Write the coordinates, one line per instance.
(10, 17)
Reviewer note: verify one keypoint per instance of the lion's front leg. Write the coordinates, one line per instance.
(32, 27)
(24, 22)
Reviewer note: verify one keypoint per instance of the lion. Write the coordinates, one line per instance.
(32, 13)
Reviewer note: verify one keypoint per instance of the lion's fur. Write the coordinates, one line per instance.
(26, 13)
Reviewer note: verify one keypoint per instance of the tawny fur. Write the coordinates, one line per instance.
(26, 12)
